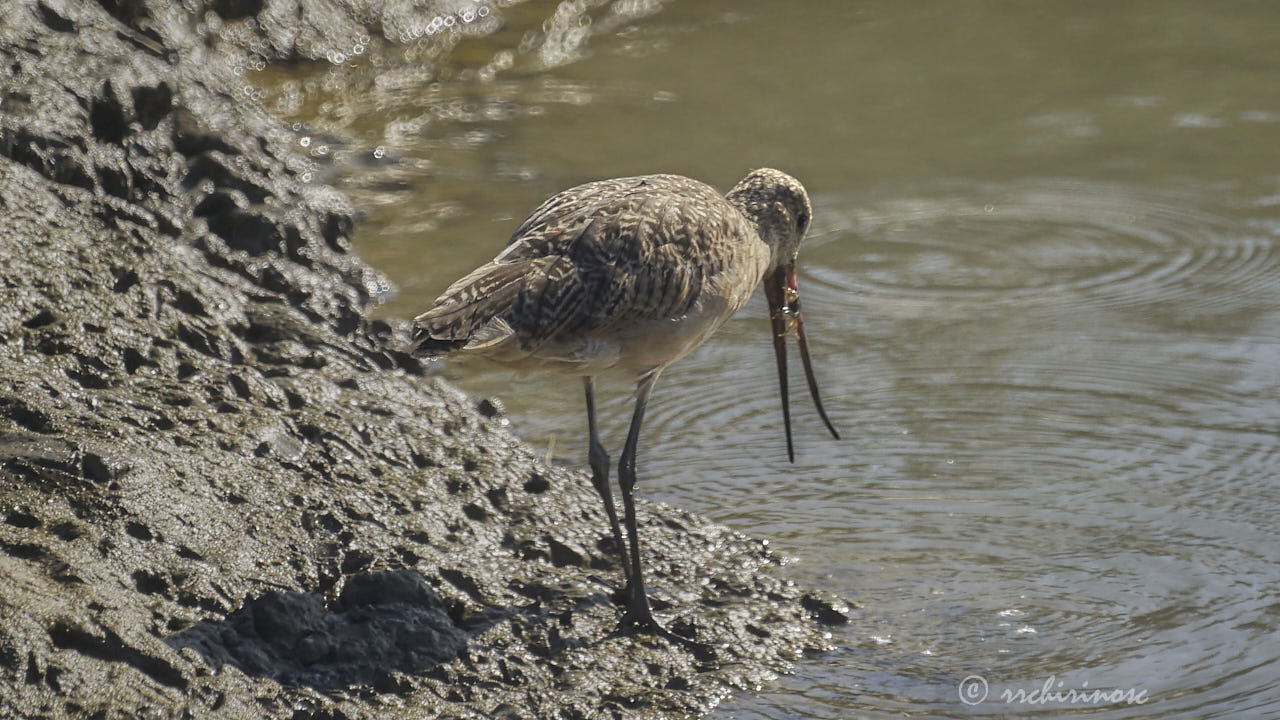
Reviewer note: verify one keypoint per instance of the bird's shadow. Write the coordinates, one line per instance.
(379, 625)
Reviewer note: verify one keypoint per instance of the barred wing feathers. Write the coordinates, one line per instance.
(590, 258)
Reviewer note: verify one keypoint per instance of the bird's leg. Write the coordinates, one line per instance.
(599, 460)
(639, 615)
(638, 610)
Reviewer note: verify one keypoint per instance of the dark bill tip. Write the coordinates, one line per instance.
(803, 343)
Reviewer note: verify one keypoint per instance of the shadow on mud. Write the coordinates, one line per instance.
(381, 624)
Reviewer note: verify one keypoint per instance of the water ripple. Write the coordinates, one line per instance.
(1088, 244)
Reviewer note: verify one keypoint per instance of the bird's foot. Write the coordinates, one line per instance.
(642, 620)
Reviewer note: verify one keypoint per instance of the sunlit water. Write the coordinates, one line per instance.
(1043, 294)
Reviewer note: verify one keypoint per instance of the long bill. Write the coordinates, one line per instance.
(784, 309)
(803, 342)
(773, 292)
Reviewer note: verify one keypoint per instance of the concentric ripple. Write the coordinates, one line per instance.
(1044, 314)
(1086, 243)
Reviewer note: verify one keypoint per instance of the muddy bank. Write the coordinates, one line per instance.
(224, 492)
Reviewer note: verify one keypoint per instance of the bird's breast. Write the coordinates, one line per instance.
(642, 346)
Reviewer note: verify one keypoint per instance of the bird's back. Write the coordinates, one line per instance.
(601, 265)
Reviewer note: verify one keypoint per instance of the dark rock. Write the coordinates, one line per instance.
(826, 610)
(55, 20)
(491, 407)
(562, 555)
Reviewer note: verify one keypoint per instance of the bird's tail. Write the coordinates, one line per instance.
(469, 315)
(427, 344)
(449, 328)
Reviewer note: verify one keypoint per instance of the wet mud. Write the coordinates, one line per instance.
(226, 493)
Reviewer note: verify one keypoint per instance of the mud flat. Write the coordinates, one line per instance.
(224, 492)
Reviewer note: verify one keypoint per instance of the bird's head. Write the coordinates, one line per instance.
(779, 206)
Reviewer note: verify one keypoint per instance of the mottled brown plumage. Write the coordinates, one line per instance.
(633, 272)
(629, 274)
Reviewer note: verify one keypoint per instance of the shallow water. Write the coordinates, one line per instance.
(1043, 295)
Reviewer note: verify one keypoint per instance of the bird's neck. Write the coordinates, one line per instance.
(748, 202)
(760, 213)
